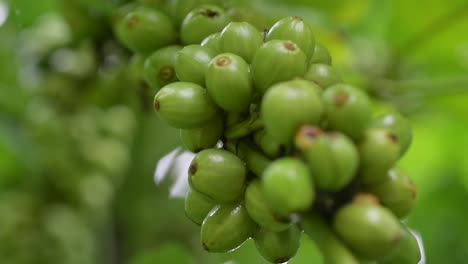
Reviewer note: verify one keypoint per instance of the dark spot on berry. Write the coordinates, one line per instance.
(392, 137)
(223, 61)
(157, 105)
(311, 132)
(166, 73)
(341, 98)
(132, 23)
(397, 238)
(208, 13)
(289, 46)
(281, 260)
(193, 168)
(297, 18)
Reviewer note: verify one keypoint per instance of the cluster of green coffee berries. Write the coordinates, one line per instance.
(283, 145)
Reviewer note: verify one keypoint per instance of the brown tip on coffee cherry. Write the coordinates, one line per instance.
(392, 137)
(193, 168)
(310, 132)
(223, 61)
(297, 18)
(289, 46)
(366, 198)
(341, 98)
(132, 23)
(397, 238)
(157, 105)
(166, 73)
(208, 13)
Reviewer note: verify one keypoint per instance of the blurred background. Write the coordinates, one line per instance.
(79, 140)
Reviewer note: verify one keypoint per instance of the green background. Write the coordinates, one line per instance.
(411, 55)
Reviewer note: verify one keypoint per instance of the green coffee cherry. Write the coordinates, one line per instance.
(399, 125)
(321, 55)
(268, 144)
(240, 38)
(378, 151)
(144, 30)
(331, 247)
(198, 139)
(202, 22)
(260, 211)
(396, 192)
(229, 83)
(288, 186)
(118, 14)
(277, 61)
(226, 228)
(184, 105)
(181, 8)
(212, 42)
(407, 252)
(278, 247)
(197, 206)
(192, 62)
(322, 74)
(159, 68)
(296, 30)
(218, 174)
(332, 157)
(369, 229)
(289, 105)
(347, 109)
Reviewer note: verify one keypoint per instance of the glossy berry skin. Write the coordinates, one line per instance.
(197, 206)
(202, 22)
(289, 105)
(192, 62)
(279, 180)
(184, 105)
(407, 252)
(260, 211)
(399, 125)
(296, 30)
(229, 83)
(370, 230)
(332, 158)
(321, 55)
(207, 136)
(347, 109)
(277, 61)
(212, 42)
(145, 30)
(378, 151)
(240, 38)
(226, 228)
(396, 191)
(159, 68)
(269, 146)
(218, 174)
(278, 247)
(323, 75)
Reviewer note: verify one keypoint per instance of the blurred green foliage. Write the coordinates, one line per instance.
(76, 171)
